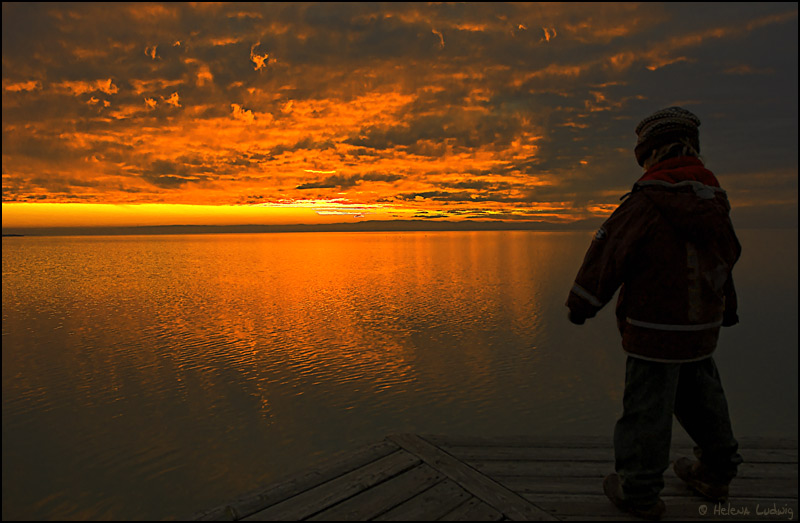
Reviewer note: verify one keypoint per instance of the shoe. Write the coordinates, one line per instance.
(695, 474)
(613, 489)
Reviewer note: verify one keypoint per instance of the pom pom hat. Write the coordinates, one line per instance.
(666, 126)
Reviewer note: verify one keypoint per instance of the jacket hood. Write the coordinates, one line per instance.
(680, 169)
(688, 196)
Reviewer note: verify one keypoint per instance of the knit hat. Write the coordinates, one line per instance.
(664, 127)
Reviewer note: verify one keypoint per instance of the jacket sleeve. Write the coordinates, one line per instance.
(729, 315)
(604, 265)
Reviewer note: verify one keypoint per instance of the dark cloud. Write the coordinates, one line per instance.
(304, 144)
(428, 134)
(467, 197)
(137, 98)
(344, 182)
(482, 185)
(167, 174)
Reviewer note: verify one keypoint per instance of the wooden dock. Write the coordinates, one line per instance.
(408, 477)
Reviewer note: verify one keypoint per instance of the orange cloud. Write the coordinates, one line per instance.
(242, 114)
(365, 114)
(149, 13)
(441, 37)
(228, 40)
(79, 87)
(261, 61)
(141, 86)
(31, 85)
(173, 100)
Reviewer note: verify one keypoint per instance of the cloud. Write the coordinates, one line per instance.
(173, 100)
(441, 38)
(549, 32)
(261, 61)
(526, 107)
(168, 174)
(79, 87)
(242, 114)
(344, 182)
(31, 85)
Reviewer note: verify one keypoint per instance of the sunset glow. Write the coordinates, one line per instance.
(222, 113)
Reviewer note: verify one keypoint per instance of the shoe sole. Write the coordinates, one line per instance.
(632, 510)
(704, 489)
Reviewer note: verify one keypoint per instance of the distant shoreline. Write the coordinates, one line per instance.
(366, 226)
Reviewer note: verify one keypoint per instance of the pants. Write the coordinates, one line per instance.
(654, 391)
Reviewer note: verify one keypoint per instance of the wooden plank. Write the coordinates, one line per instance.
(564, 469)
(681, 509)
(621, 517)
(428, 505)
(530, 454)
(767, 443)
(541, 442)
(767, 455)
(672, 487)
(518, 441)
(678, 442)
(473, 510)
(544, 470)
(584, 506)
(499, 469)
(323, 496)
(530, 488)
(382, 497)
(597, 454)
(767, 488)
(509, 503)
(258, 499)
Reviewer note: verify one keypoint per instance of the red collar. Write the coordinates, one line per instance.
(680, 169)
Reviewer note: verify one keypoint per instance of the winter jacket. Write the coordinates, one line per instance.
(670, 248)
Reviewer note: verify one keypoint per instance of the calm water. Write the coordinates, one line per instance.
(148, 377)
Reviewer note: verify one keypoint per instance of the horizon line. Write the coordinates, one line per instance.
(588, 224)
(362, 226)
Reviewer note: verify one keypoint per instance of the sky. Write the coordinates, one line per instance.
(243, 113)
